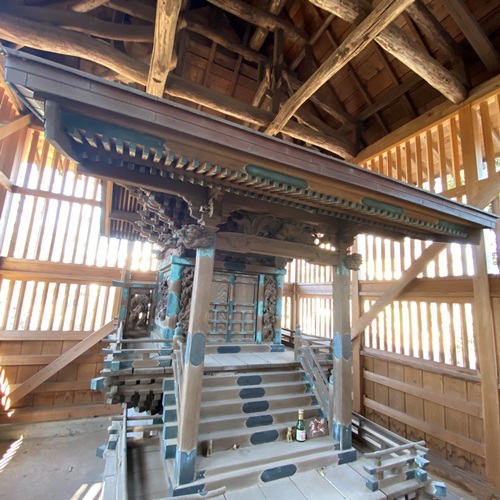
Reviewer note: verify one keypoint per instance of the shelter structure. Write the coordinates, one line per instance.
(229, 208)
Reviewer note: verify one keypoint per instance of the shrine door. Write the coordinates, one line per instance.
(233, 308)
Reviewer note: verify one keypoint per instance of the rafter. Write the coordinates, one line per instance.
(360, 37)
(396, 42)
(167, 14)
(259, 37)
(473, 32)
(261, 18)
(82, 23)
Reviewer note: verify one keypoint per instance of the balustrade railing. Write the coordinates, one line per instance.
(314, 353)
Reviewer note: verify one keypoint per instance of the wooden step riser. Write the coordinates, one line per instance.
(261, 474)
(295, 453)
(252, 406)
(252, 392)
(240, 348)
(248, 378)
(255, 420)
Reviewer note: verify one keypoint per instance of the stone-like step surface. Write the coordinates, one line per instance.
(242, 347)
(243, 467)
(254, 391)
(243, 379)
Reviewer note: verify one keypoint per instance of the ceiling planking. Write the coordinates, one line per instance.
(245, 60)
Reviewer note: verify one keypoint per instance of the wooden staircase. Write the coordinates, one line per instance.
(244, 418)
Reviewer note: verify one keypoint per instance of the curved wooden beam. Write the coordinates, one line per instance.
(261, 18)
(82, 23)
(396, 42)
(359, 38)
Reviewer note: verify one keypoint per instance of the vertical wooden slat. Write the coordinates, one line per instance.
(430, 160)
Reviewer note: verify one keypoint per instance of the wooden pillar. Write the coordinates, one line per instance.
(484, 334)
(357, 345)
(189, 417)
(174, 296)
(484, 327)
(342, 355)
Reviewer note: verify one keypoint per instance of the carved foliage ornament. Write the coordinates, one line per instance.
(269, 226)
(269, 314)
(185, 300)
(353, 261)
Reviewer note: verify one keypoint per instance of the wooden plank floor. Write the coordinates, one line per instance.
(248, 360)
(341, 482)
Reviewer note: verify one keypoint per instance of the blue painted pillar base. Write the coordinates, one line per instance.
(343, 435)
(184, 466)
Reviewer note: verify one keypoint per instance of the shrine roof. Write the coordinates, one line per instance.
(136, 140)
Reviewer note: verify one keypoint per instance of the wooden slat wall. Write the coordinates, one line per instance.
(419, 356)
(55, 277)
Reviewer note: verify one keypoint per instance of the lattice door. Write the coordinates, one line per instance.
(233, 309)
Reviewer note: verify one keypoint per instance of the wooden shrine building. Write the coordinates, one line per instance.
(205, 339)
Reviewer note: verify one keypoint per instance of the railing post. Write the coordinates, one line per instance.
(192, 379)
(297, 342)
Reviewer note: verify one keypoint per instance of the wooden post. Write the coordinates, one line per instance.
(174, 296)
(357, 343)
(484, 335)
(342, 355)
(189, 417)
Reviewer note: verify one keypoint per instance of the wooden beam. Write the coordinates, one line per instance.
(62, 41)
(395, 290)
(396, 42)
(15, 124)
(260, 34)
(261, 18)
(423, 122)
(86, 5)
(481, 199)
(75, 21)
(474, 33)
(434, 31)
(167, 14)
(41, 335)
(62, 361)
(5, 182)
(191, 91)
(243, 243)
(58, 40)
(357, 40)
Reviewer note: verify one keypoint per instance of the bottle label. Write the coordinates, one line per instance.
(301, 435)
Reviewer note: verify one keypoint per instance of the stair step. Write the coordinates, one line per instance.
(255, 405)
(234, 460)
(243, 379)
(254, 391)
(241, 347)
(254, 420)
(242, 470)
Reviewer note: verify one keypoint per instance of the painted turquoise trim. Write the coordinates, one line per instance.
(274, 176)
(206, 252)
(260, 308)
(181, 261)
(123, 313)
(450, 226)
(337, 346)
(380, 205)
(109, 130)
(176, 272)
(173, 307)
(258, 337)
(195, 349)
